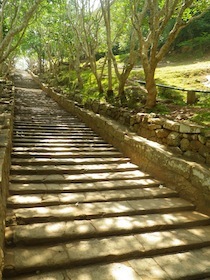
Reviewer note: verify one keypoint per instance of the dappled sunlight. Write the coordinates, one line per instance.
(56, 227)
(122, 272)
(24, 199)
(83, 206)
(201, 233)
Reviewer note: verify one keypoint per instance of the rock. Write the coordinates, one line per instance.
(184, 144)
(171, 125)
(173, 139)
(202, 139)
(194, 156)
(189, 128)
(162, 133)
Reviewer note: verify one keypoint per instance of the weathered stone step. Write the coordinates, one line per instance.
(29, 188)
(72, 169)
(87, 177)
(103, 250)
(47, 127)
(98, 209)
(60, 145)
(58, 136)
(28, 119)
(59, 141)
(53, 133)
(76, 154)
(55, 121)
(64, 128)
(19, 150)
(24, 118)
(67, 161)
(165, 267)
(35, 200)
(42, 233)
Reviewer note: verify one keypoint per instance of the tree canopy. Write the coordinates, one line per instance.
(79, 32)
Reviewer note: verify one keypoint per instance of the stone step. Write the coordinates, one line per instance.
(59, 136)
(56, 140)
(46, 233)
(163, 267)
(45, 117)
(97, 209)
(72, 169)
(67, 161)
(79, 178)
(35, 200)
(51, 128)
(72, 127)
(53, 133)
(89, 148)
(28, 119)
(61, 155)
(103, 250)
(49, 188)
(81, 144)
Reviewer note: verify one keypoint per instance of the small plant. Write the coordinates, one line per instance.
(160, 109)
(202, 118)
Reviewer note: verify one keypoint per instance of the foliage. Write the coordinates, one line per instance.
(101, 41)
(15, 17)
(202, 118)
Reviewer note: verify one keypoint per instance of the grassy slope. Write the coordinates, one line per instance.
(189, 73)
(180, 71)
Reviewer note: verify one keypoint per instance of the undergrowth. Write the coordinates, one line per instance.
(183, 74)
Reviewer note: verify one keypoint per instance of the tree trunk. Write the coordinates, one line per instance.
(1, 69)
(78, 71)
(79, 78)
(98, 78)
(40, 63)
(99, 83)
(151, 90)
(121, 90)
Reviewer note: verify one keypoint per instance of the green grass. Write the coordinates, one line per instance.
(202, 118)
(190, 76)
(177, 70)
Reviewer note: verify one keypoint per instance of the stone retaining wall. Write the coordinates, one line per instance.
(192, 141)
(190, 179)
(6, 124)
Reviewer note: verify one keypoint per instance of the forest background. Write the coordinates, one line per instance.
(99, 50)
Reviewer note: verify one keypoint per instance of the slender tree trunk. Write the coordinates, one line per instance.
(78, 71)
(1, 69)
(151, 89)
(121, 90)
(40, 63)
(98, 77)
(105, 5)
(99, 83)
(110, 92)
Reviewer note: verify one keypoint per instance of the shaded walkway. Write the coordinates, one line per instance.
(78, 209)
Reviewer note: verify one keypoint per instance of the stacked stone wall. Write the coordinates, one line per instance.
(6, 124)
(187, 139)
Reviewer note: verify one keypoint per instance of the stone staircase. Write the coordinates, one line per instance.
(79, 210)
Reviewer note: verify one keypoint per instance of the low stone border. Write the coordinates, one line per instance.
(187, 139)
(6, 130)
(191, 180)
